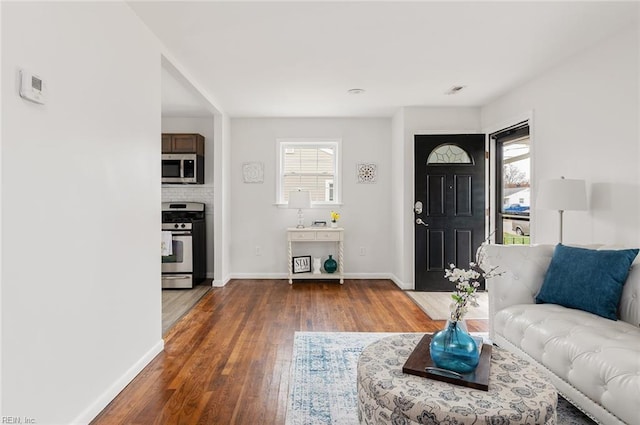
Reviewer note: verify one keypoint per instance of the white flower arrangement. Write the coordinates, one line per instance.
(466, 286)
(467, 282)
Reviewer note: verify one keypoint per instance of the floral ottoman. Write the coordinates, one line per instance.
(518, 392)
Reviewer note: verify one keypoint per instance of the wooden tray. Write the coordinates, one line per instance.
(420, 359)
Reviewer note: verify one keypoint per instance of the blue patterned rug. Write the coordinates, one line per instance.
(322, 388)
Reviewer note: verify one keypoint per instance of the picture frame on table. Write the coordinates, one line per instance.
(301, 264)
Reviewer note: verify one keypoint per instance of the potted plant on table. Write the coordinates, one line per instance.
(334, 218)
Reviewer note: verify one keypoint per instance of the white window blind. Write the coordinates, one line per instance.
(309, 165)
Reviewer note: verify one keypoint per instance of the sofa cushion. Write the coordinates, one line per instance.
(598, 357)
(586, 279)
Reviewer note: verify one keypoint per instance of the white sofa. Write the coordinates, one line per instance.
(594, 362)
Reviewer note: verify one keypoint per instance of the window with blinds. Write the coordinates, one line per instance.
(309, 165)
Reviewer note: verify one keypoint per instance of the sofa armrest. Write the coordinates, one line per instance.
(629, 308)
(522, 269)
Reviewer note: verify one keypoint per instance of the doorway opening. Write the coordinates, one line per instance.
(185, 111)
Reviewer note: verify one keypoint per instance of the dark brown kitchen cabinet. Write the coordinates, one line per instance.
(166, 143)
(182, 143)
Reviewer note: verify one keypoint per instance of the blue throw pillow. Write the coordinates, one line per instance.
(587, 279)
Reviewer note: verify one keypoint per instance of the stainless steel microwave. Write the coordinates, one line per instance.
(182, 168)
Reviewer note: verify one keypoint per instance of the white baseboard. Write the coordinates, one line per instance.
(405, 286)
(220, 282)
(286, 276)
(367, 276)
(259, 276)
(97, 406)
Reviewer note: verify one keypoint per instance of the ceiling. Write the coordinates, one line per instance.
(181, 99)
(299, 58)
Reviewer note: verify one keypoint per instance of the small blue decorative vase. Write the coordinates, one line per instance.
(453, 349)
(330, 265)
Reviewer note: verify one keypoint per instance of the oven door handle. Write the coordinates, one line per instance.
(185, 233)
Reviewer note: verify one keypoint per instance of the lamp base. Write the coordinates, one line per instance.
(300, 219)
(561, 212)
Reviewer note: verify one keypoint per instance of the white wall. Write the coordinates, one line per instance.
(366, 212)
(81, 307)
(222, 202)
(398, 201)
(585, 127)
(196, 193)
(419, 120)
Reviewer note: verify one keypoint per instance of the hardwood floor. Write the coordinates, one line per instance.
(177, 302)
(227, 361)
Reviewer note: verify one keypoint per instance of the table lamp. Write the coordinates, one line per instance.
(300, 199)
(562, 195)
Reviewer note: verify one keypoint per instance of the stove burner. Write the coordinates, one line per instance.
(188, 212)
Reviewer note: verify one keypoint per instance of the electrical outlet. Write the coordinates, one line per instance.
(363, 251)
(258, 251)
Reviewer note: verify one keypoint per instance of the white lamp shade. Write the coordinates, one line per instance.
(562, 195)
(300, 199)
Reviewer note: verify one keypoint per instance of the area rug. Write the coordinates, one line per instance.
(436, 304)
(322, 387)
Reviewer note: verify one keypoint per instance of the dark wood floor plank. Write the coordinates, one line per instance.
(228, 360)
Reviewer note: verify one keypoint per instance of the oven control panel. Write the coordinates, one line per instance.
(177, 226)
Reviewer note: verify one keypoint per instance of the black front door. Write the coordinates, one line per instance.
(449, 205)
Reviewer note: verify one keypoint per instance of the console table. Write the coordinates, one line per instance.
(312, 234)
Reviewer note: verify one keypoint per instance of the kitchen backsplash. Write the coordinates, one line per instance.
(188, 193)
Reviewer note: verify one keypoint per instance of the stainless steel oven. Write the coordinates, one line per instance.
(181, 258)
(186, 266)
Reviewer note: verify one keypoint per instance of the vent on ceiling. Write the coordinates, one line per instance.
(355, 91)
(454, 90)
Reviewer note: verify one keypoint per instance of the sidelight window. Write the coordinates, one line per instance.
(513, 164)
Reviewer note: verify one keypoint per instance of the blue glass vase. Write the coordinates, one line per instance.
(330, 265)
(454, 349)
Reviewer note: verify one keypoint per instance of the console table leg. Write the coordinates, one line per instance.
(290, 264)
(341, 261)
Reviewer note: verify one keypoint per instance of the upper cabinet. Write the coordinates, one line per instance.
(182, 143)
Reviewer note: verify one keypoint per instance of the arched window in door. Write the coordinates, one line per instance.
(449, 154)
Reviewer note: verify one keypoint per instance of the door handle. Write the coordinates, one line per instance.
(419, 221)
(417, 208)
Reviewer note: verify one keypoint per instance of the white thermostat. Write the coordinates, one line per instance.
(32, 87)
